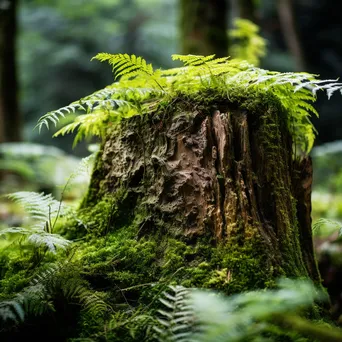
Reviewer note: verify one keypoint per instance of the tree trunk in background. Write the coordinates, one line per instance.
(10, 127)
(204, 25)
(246, 10)
(214, 188)
(289, 30)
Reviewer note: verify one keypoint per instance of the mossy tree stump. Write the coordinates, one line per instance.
(215, 187)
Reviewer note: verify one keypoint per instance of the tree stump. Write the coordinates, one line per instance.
(216, 189)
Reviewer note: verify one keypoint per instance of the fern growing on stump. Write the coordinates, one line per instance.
(203, 177)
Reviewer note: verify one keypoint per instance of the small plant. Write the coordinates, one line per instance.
(199, 315)
(324, 225)
(43, 212)
(176, 321)
(141, 89)
(60, 281)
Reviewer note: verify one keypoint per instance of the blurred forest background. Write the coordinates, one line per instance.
(45, 52)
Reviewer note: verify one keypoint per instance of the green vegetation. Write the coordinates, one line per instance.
(142, 90)
(97, 274)
(118, 259)
(135, 254)
(203, 315)
(247, 44)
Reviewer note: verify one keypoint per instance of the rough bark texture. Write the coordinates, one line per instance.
(204, 25)
(213, 174)
(10, 126)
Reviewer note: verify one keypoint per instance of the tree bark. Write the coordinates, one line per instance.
(10, 127)
(290, 32)
(219, 179)
(204, 25)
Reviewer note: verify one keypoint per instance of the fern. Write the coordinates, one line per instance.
(141, 89)
(243, 317)
(40, 206)
(45, 288)
(65, 277)
(44, 210)
(124, 64)
(132, 323)
(11, 312)
(54, 116)
(202, 315)
(193, 60)
(248, 44)
(323, 222)
(176, 321)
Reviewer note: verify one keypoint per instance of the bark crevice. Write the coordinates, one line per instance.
(223, 173)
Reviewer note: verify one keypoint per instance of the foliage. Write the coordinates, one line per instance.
(326, 224)
(44, 211)
(61, 281)
(11, 311)
(247, 43)
(142, 89)
(198, 315)
(177, 318)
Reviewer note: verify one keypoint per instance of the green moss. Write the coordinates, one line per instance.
(123, 262)
(13, 283)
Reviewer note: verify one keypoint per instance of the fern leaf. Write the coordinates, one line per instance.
(92, 302)
(54, 116)
(142, 89)
(176, 322)
(65, 278)
(192, 60)
(11, 310)
(124, 64)
(15, 230)
(51, 241)
(40, 206)
(322, 222)
(43, 209)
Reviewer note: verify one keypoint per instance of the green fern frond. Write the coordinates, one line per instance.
(197, 65)
(105, 93)
(39, 206)
(11, 311)
(60, 278)
(92, 302)
(54, 116)
(51, 241)
(244, 316)
(15, 230)
(43, 210)
(93, 124)
(322, 222)
(176, 321)
(193, 60)
(124, 64)
(84, 167)
(38, 237)
(142, 89)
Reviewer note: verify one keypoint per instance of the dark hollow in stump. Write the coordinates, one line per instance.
(220, 178)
